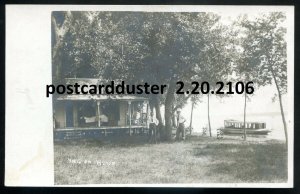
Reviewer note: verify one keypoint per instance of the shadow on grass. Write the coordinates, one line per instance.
(124, 141)
(117, 141)
(247, 161)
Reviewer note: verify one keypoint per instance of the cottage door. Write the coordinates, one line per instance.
(69, 114)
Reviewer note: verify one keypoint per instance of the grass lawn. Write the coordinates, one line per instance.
(196, 160)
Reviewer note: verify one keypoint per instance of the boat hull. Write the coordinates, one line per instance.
(248, 131)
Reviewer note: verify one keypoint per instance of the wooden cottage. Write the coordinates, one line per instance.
(94, 116)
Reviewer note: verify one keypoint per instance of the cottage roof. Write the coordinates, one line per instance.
(101, 97)
(82, 81)
(242, 122)
(93, 81)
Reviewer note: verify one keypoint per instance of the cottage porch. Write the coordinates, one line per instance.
(93, 116)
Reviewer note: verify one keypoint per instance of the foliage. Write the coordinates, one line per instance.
(166, 47)
(263, 54)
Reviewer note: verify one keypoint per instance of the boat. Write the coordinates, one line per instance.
(234, 127)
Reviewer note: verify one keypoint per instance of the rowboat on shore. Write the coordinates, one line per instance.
(234, 127)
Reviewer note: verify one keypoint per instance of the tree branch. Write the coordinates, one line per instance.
(178, 106)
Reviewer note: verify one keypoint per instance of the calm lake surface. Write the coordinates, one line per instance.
(272, 120)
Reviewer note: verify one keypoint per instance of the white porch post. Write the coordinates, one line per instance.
(129, 113)
(99, 116)
(147, 112)
(98, 109)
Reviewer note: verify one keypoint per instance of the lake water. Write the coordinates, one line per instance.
(273, 122)
(260, 108)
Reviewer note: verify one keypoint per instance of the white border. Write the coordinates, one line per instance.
(29, 146)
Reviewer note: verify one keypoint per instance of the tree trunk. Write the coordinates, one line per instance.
(283, 118)
(245, 104)
(55, 47)
(191, 120)
(169, 111)
(59, 33)
(174, 123)
(209, 126)
(157, 111)
(281, 109)
(159, 117)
